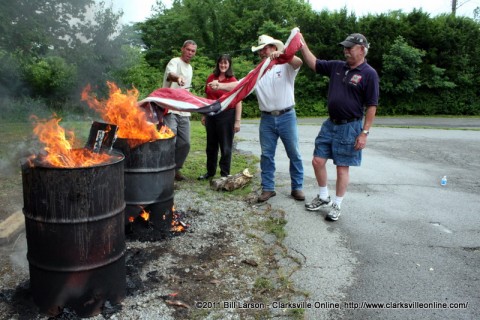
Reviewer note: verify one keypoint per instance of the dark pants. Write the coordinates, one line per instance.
(220, 134)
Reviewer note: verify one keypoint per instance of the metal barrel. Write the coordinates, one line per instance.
(74, 220)
(149, 179)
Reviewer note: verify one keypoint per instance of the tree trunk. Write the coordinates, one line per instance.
(232, 182)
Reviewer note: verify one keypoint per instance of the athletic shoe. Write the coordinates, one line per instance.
(318, 203)
(334, 213)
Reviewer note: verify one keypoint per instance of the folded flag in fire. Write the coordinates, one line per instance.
(102, 137)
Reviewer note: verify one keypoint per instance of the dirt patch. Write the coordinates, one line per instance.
(226, 266)
(11, 198)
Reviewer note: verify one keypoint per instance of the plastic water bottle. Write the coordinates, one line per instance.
(443, 182)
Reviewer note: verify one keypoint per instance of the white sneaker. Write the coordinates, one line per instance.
(318, 203)
(334, 213)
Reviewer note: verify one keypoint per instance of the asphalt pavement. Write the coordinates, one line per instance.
(405, 247)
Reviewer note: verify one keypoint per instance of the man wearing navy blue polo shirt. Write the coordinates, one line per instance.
(352, 96)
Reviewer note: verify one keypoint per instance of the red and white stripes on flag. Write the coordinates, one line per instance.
(183, 100)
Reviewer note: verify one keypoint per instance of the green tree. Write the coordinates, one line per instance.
(11, 80)
(51, 77)
(83, 37)
(434, 78)
(227, 26)
(34, 27)
(136, 72)
(428, 65)
(401, 68)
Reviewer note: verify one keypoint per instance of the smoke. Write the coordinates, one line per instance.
(18, 254)
(16, 249)
(18, 152)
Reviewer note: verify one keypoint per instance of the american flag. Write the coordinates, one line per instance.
(183, 100)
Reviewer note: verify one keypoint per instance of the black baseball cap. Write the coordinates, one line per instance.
(353, 39)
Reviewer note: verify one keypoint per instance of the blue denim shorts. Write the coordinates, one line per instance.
(337, 142)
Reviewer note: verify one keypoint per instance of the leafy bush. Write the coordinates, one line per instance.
(51, 77)
(20, 109)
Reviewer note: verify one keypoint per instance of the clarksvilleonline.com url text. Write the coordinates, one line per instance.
(329, 305)
(405, 305)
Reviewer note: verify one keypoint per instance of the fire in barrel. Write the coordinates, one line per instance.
(74, 217)
(149, 151)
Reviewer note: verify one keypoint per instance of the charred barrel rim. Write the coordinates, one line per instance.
(115, 157)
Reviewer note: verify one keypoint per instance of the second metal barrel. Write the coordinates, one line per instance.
(149, 178)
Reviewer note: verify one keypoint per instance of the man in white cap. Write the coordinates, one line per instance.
(353, 94)
(276, 99)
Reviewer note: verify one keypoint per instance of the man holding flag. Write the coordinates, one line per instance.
(273, 79)
(275, 93)
(352, 102)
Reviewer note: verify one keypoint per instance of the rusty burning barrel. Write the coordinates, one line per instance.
(74, 219)
(149, 179)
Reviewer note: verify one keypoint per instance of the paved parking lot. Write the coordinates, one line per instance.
(402, 237)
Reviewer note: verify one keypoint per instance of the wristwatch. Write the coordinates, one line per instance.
(366, 132)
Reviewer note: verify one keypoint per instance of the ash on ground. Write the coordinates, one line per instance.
(223, 256)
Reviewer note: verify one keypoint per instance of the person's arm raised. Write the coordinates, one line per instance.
(308, 56)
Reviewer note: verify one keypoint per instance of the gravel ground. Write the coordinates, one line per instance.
(225, 256)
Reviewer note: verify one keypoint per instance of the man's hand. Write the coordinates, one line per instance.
(181, 81)
(361, 141)
(275, 54)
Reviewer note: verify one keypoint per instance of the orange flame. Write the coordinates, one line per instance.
(145, 215)
(122, 109)
(177, 225)
(59, 149)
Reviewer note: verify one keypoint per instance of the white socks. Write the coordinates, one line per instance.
(338, 201)
(324, 195)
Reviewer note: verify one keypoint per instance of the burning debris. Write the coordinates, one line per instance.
(59, 147)
(178, 225)
(102, 137)
(143, 229)
(122, 109)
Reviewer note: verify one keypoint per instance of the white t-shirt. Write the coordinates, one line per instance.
(180, 67)
(275, 90)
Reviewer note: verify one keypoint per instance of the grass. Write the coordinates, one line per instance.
(276, 226)
(14, 134)
(195, 165)
(262, 284)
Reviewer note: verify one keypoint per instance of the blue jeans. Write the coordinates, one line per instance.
(285, 128)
